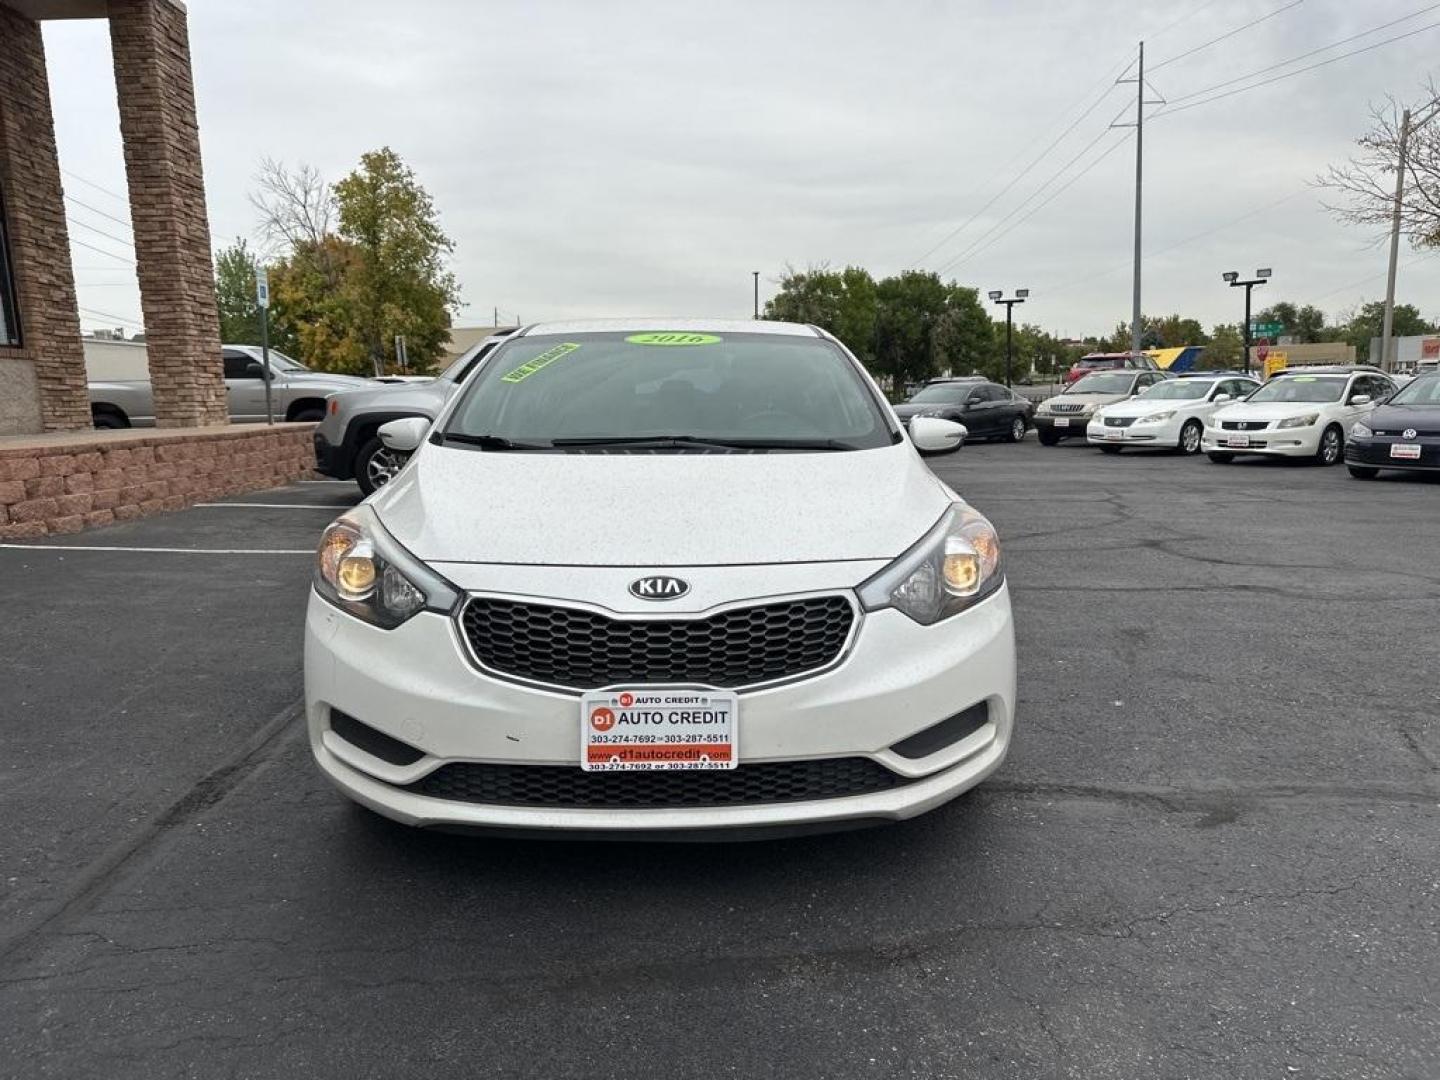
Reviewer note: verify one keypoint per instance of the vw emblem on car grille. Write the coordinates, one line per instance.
(659, 587)
(1408, 433)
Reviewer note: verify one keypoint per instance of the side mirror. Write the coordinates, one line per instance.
(404, 436)
(930, 434)
(1218, 398)
(256, 370)
(1361, 399)
(972, 403)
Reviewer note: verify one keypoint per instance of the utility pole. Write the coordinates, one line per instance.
(756, 273)
(495, 318)
(1139, 126)
(1020, 297)
(262, 301)
(1387, 340)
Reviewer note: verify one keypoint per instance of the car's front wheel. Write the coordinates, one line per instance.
(1017, 429)
(1109, 449)
(1047, 438)
(1219, 457)
(1332, 445)
(1190, 437)
(1361, 472)
(376, 465)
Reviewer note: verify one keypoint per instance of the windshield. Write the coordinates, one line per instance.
(280, 362)
(942, 394)
(763, 391)
(1178, 390)
(1300, 388)
(1424, 391)
(1103, 362)
(1103, 382)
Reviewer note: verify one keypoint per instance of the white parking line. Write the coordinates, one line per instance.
(324, 481)
(279, 506)
(161, 550)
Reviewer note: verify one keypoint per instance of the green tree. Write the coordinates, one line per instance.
(1158, 332)
(1305, 324)
(235, 295)
(398, 278)
(1225, 350)
(843, 302)
(1362, 324)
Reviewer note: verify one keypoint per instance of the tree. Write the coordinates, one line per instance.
(1305, 324)
(1364, 323)
(1225, 350)
(296, 208)
(398, 276)
(1364, 187)
(1158, 332)
(235, 294)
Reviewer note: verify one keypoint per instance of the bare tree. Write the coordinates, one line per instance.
(295, 208)
(1364, 187)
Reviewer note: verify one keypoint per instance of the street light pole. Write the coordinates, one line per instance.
(1232, 278)
(1019, 298)
(756, 274)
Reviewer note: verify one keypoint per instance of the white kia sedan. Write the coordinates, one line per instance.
(664, 578)
(1170, 414)
(1300, 412)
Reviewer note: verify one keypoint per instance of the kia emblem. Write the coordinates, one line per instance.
(659, 587)
(1408, 433)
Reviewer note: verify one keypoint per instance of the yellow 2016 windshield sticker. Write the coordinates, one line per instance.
(545, 359)
(673, 337)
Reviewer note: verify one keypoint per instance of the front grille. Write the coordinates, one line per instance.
(1398, 433)
(569, 786)
(583, 650)
(1244, 425)
(1066, 407)
(1119, 421)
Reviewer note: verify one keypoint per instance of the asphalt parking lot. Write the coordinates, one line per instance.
(1213, 851)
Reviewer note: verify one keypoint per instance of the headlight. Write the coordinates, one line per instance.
(1299, 421)
(361, 569)
(1156, 418)
(1360, 430)
(954, 566)
(1044, 407)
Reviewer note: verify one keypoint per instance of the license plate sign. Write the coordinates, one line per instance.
(649, 730)
(1240, 441)
(1062, 421)
(1115, 434)
(1407, 451)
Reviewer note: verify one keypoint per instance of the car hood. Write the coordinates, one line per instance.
(320, 379)
(423, 398)
(651, 510)
(1271, 410)
(1136, 407)
(1086, 399)
(1401, 417)
(908, 409)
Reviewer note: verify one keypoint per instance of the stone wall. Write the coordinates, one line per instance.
(156, 92)
(39, 242)
(62, 484)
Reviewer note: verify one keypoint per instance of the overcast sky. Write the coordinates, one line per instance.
(598, 157)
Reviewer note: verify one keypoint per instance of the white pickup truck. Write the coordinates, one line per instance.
(119, 380)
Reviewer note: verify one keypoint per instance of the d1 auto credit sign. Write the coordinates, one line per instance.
(649, 730)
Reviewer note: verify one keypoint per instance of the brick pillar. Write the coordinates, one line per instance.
(39, 241)
(167, 206)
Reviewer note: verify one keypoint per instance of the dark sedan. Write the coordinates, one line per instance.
(988, 410)
(1403, 433)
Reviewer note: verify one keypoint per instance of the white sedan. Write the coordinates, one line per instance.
(661, 578)
(1170, 414)
(1302, 412)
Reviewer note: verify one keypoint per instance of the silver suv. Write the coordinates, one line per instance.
(297, 393)
(346, 443)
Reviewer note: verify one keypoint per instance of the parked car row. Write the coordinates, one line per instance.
(1352, 413)
(986, 409)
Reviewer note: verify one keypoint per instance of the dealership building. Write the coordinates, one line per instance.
(42, 365)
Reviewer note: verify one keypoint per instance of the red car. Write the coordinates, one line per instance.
(1110, 362)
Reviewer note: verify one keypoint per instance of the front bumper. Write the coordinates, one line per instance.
(1163, 434)
(1074, 425)
(897, 679)
(1270, 441)
(1375, 452)
(330, 460)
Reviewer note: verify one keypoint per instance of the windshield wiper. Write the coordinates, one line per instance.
(658, 442)
(489, 442)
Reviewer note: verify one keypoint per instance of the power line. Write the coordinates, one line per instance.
(1108, 80)
(1289, 74)
(97, 210)
(102, 251)
(111, 316)
(1053, 195)
(1372, 277)
(958, 259)
(1227, 34)
(1307, 55)
(1183, 19)
(100, 232)
(97, 187)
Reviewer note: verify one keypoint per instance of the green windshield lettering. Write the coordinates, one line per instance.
(545, 359)
(673, 337)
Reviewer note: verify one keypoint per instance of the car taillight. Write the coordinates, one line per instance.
(334, 407)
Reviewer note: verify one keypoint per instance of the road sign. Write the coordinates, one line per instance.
(262, 287)
(1262, 352)
(1266, 329)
